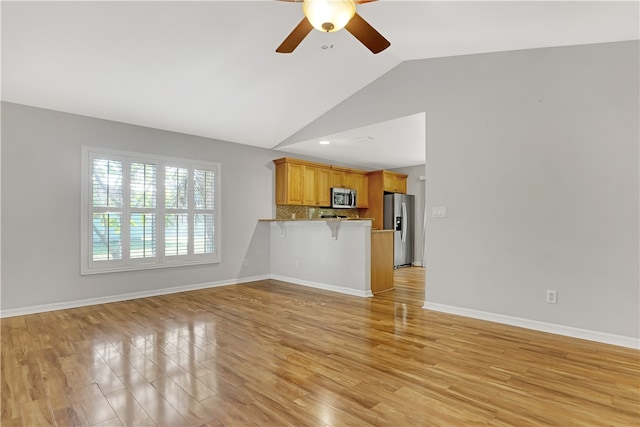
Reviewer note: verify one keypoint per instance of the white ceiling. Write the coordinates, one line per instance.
(385, 145)
(209, 68)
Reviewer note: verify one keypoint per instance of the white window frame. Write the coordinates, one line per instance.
(88, 266)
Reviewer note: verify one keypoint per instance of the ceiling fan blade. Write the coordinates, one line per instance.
(295, 37)
(367, 35)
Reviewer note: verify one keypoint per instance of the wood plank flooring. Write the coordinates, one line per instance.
(270, 353)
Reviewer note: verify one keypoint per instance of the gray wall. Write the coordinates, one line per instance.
(41, 207)
(535, 155)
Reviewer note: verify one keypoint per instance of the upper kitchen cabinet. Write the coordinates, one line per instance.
(361, 185)
(299, 182)
(343, 177)
(323, 186)
(317, 186)
(288, 182)
(338, 177)
(394, 182)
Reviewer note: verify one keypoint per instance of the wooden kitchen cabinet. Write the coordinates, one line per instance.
(337, 177)
(349, 180)
(394, 182)
(323, 186)
(343, 177)
(289, 187)
(361, 185)
(309, 185)
(381, 261)
(302, 183)
(316, 190)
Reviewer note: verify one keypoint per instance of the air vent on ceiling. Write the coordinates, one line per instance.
(362, 138)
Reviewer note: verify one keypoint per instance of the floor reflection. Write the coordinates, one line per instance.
(400, 316)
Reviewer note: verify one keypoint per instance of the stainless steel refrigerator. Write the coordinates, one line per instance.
(399, 216)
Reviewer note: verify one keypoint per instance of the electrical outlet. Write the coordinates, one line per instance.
(552, 296)
(246, 262)
(297, 263)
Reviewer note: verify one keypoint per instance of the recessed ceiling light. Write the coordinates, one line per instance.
(324, 142)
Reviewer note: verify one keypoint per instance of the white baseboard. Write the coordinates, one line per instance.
(586, 334)
(123, 297)
(552, 328)
(323, 286)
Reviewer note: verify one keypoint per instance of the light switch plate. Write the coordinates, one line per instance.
(439, 212)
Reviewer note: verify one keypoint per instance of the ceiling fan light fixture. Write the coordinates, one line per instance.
(329, 15)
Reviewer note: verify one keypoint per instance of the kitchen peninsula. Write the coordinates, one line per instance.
(336, 254)
(314, 244)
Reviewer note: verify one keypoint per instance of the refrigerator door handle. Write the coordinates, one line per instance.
(404, 221)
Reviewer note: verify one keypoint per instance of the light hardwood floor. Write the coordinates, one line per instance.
(270, 353)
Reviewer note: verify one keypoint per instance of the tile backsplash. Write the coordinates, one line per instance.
(309, 212)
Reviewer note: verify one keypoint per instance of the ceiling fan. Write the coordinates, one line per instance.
(333, 15)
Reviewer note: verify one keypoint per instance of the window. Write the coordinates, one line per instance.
(141, 211)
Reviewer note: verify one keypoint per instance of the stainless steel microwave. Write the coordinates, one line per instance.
(343, 198)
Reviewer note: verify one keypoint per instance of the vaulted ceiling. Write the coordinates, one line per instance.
(209, 68)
